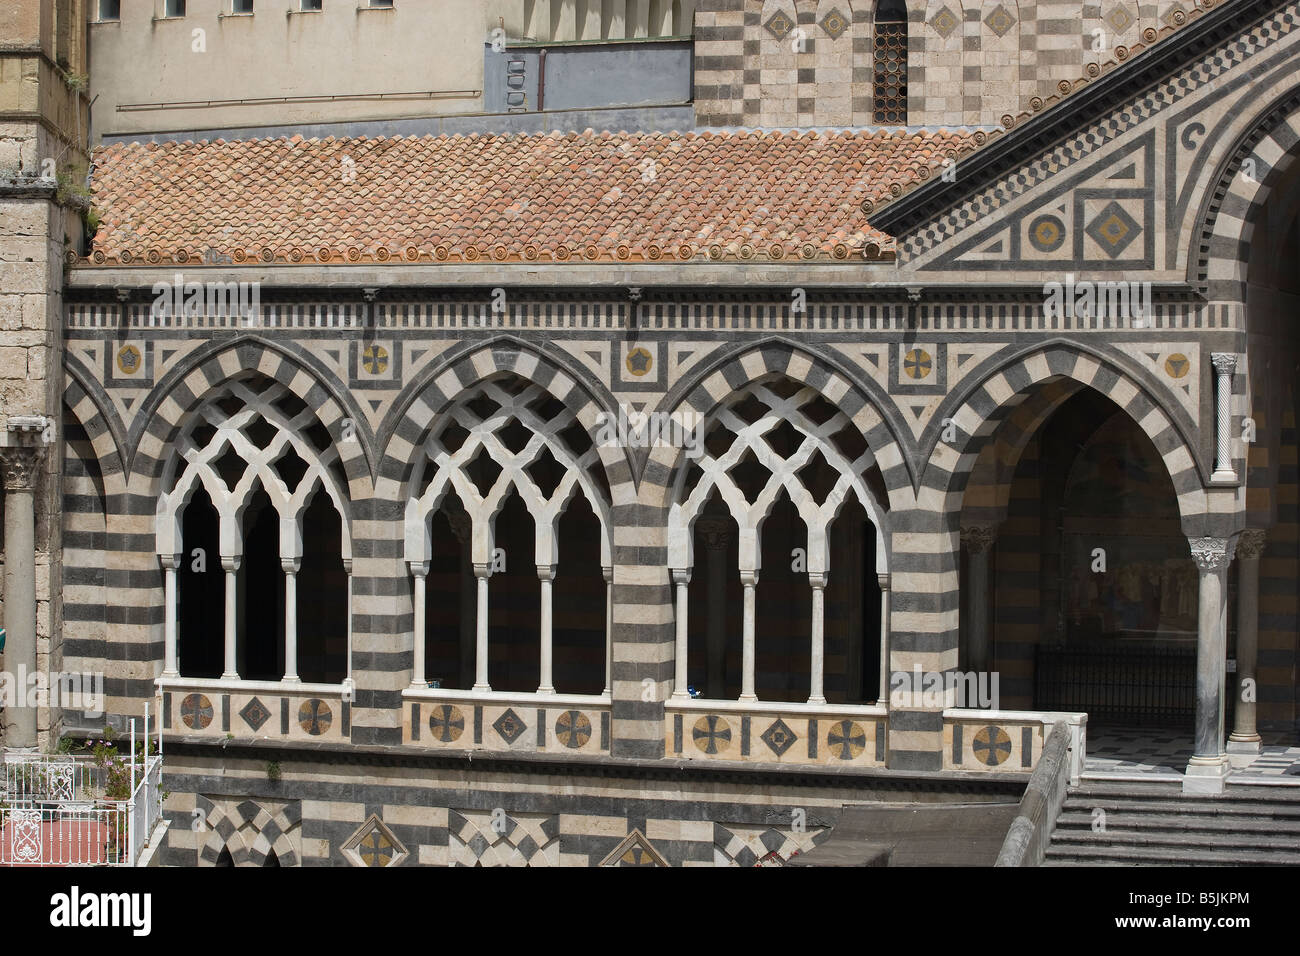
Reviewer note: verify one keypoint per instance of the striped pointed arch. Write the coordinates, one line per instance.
(92, 411)
(997, 393)
(252, 433)
(507, 434)
(792, 440)
(1244, 179)
(168, 409)
(418, 411)
(860, 400)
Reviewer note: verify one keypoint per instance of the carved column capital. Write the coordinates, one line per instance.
(20, 465)
(681, 575)
(1224, 362)
(1250, 545)
(978, 538)
(1212, 554)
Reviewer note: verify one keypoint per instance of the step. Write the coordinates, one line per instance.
(1208, 810)
(1287, 846)
(1161, 856)
(1201, 823)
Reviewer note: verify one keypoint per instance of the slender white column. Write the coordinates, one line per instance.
(481, 572)
(291, 566)
(546, 574)
(21, 462)
(816, 694)
(420, 570)
(883, 581)
(1245, 738)
(231, 565)
(749, 581)
(349, 687)
(681, 580)
(609, 629)
(1207, 770)
(1224, 365)
(169, 562)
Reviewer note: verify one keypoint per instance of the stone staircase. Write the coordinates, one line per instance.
(1156, 824)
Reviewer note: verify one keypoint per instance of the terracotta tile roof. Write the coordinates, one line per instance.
(639, 197)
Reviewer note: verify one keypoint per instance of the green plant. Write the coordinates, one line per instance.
(273, 771)
(75, 82)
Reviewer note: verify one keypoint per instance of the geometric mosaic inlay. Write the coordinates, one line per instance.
(779, 25)
(945, 22)
(779, 737)
(711, 734)
(314, 716)
(1113, 229)
(255, 714)
(992, 746)
(834, 23)
(846, 739)
(572, 729)
(1119, 19)
(446, 723)
(196, 711)
(1046, 233)
(1000, 20)
(373, 844)
(509, 726)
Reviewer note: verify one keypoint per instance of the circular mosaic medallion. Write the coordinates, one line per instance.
(374, 359)
(128, 359)
(711, 734)
(639, 361)
(196, 711)
(314, 716)
(573, 729)
(992, 746)
(1177, 365)
(917, 363)
(846, 739)
(446, 723)
(1047, 233)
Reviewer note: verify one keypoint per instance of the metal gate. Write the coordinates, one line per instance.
(1139, 684)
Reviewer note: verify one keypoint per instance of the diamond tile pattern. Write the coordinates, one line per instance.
(637, 197)
(1000, 20)
(1113, 229)
(255, 714)
(509, 726)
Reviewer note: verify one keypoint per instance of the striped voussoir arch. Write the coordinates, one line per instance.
(860, 400)
(383, 625)
(988, 490)
(134, 626)
(1237, 194)
(926, 546)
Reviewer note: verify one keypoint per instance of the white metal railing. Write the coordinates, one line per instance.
(54, 812)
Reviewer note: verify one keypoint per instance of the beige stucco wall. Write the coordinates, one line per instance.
(347, 49)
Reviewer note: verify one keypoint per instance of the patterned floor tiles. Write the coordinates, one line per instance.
(1160, 752)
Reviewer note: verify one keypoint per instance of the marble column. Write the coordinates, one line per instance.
(291, 567)
(979, 541)
(21, 464)
(481, 573)
(1208, 768)
(1225, 363)
(419, 572)
(546, 575)
(717, 537)
(749, 584)
(816, 692)
(609, 629)
(681, 583)
(170, 565)
(230, 564)
(1244, 741)
(883, 581)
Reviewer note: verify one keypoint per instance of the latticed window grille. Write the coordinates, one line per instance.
(889, 105)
